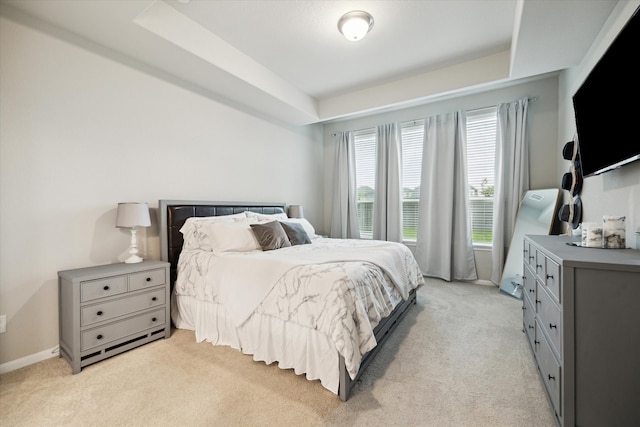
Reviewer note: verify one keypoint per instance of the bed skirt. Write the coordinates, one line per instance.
(266, 338)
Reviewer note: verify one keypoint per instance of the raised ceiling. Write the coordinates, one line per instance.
(287, 61)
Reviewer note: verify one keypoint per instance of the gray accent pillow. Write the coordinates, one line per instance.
(270, 236)
(296, 233)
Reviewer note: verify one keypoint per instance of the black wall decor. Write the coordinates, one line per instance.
(571, 213)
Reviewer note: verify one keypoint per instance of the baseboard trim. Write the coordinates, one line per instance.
(29, 360)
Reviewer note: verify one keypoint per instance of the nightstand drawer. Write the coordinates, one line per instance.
(146, 279)
(100, 336)
(119, 307)
(101, 288)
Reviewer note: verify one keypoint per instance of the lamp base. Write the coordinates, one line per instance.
(133, 249)
(133, 259)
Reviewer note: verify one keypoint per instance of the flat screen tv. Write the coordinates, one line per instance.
(606, 105)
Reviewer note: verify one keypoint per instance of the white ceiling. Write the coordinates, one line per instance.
(287, 61)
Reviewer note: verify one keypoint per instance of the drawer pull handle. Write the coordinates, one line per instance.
(99, 313)
(148, 279)
(532, 290)
(552, 326)
(549, 276)
(538, 266)
(153, 319)
(106, 287)
(531, 257)
(551, 377)
(531, 327)
(538, 301)
(536, 342)
(99, 337)
(154, 299)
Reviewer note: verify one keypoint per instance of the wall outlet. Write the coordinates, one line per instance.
(3, 324)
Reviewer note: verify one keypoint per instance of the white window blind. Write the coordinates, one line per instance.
(365, 145)
(412, 135)
(481, 149)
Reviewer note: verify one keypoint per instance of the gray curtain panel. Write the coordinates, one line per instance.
(344, 210)
(511, 178)
(443, 245)
(387, 205)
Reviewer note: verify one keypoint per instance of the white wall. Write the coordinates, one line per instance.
(80, 132)
(616, 192)
(543, 115)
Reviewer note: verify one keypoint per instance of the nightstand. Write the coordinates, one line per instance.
(108, 309)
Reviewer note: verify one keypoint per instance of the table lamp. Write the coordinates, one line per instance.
(132, 215)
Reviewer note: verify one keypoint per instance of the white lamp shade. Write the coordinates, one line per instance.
(295, 211)
(133, 215)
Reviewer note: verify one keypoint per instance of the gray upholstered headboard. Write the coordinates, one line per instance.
(173, 213)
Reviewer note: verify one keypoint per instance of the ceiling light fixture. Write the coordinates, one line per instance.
(355, 25)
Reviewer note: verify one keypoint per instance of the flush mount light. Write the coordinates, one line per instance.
(355, 25)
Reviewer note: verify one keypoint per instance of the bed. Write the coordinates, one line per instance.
(322, 307)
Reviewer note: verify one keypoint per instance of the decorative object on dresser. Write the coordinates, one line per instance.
(132, 215)
(581, 319)
(613, 232)
(108, 309)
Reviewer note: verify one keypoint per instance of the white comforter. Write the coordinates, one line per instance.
(340, 287)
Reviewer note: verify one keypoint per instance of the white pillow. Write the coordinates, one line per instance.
(258, 217)
(226, 236)
(194, 235)
(308, 228)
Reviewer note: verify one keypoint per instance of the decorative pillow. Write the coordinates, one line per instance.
(270, 235)
(193, 232)
(227, 236)
(295, 233)
(258, 217)
(308, 228)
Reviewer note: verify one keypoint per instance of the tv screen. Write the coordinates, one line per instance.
(606, 105)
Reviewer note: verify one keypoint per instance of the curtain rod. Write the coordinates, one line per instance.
(529, 98)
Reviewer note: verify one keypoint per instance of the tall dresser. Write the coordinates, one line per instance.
(581, 316)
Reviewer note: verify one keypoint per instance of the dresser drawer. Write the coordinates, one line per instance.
(101, 288)
(539, 265)
(552, 278)
(146, 279)
(119, 307)
(550, 318)
(529, 321)
(529, 283)
(549, 370)
(102, 335)
(529, 255)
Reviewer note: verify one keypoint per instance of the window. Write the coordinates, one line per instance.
(481, 149)
(365, 145)
(412, 135)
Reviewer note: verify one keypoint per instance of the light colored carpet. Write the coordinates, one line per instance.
(459, 358)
